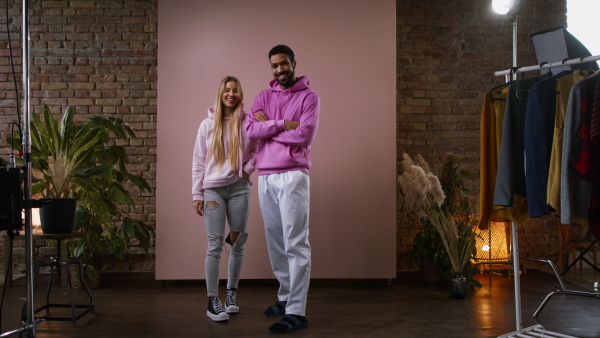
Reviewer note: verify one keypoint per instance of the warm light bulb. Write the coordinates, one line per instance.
(485, 248)
(502, 6)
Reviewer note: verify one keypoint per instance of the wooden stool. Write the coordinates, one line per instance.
(59, 264)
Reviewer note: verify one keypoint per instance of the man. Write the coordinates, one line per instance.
(285, 118)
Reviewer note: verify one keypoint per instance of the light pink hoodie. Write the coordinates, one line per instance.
(205, 172)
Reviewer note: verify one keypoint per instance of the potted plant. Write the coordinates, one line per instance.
(83, 161)
(447, 219)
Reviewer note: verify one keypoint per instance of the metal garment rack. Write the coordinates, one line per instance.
(537, 330)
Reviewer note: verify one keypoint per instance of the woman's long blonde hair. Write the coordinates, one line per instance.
(217, 141)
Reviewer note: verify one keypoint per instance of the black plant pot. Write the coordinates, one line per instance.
(57, 215)
(458, 286)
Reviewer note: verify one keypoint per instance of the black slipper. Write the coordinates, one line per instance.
(276, 310)
(289, 323)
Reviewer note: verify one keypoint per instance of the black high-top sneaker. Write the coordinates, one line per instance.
(231, 306)
(215, 310)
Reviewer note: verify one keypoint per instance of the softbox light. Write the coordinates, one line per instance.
(557, 45)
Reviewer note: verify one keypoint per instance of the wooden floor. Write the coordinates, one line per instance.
(136, 305)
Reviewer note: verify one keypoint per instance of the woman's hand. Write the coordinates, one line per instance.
(199, 205)
(245, 176)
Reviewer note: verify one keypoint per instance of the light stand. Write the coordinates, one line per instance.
(510, 7)
(30, 323)
(514, 39)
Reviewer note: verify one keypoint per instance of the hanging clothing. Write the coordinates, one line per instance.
(491, 133)
(492, 116)
(511, 167)
(595, 119)
(563, 88)
(575, 193)
(583, 158)
(539, 131)
(594, 211)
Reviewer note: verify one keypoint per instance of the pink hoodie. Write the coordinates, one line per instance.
(205, 172)
(283, 150)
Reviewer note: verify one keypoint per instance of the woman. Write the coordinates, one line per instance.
(223, 160)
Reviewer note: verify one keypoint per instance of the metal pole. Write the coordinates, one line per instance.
(30, 324)
(575, 61)
(515, 235)
(516, 274)
(490, 249)
(514, 75)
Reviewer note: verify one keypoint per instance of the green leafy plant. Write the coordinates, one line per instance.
(84, 161)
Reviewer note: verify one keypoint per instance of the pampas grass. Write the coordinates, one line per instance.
(424, 196)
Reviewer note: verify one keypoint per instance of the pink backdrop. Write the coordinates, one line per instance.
(347, 47)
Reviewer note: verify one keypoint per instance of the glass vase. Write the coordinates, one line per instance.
(458, 286)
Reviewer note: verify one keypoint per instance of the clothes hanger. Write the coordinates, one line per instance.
(496, 90)
(505, 84)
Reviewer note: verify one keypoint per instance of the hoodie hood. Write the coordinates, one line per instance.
(211, 112)
(302, 83)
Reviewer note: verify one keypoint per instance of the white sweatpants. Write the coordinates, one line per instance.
(284, 204)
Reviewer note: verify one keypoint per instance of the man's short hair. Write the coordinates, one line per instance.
(279, 49)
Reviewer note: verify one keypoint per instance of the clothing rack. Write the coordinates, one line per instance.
(538, 329)
(544, 65)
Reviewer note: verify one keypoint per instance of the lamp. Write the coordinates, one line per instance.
(511, 7)
(503, 7)
(492, 243)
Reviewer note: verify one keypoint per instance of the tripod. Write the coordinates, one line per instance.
(29, 323)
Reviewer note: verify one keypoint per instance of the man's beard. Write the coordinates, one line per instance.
(289, 80)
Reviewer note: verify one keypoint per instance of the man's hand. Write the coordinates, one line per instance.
(291, 125)
(199, 205)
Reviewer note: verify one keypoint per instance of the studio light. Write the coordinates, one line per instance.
(511, 7)
(503, 7)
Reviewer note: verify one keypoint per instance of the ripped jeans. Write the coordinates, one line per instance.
(231, 203)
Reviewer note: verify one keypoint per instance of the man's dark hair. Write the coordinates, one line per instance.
(282, 49)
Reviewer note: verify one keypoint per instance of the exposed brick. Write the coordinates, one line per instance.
(447, 52)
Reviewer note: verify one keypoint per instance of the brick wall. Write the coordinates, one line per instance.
(101, 58)
(447, 53)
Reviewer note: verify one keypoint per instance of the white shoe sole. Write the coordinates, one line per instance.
(221, 317)
(232, 309)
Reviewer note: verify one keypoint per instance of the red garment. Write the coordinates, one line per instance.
(583, 160)
(594, 211)
(595, 125)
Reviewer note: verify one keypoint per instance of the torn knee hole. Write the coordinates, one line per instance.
(239, 237)
(212, 205)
